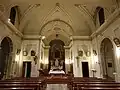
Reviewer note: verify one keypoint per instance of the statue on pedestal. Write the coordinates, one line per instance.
(56, 63)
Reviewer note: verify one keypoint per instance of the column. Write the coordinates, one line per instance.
(67, 60)
(46, 58)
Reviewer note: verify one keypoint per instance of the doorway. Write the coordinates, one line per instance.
(85, 69)
(26, 72)
(6, 48)
(107, 58)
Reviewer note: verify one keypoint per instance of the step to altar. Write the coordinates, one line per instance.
(57, 87)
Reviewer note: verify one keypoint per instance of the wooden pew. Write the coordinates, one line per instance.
(17, 88)
(32, 86)
(100, 88)
(77, 81)
(80, 86)
(33, 83)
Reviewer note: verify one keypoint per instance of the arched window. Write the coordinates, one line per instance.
(13, 14)
(101, 16)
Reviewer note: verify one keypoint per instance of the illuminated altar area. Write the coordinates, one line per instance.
(56, 57)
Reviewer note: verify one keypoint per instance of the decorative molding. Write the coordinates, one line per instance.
(30, 7)
(46, 47)
(31, 37)
(2, 8)
(55, 21)
(86, 13)
(85, 10)
(67, 47)
(57, 8)
(106, 24)
(81, 38)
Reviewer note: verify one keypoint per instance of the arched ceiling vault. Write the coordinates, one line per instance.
(64, 17)
(57, 13)
(87, 15)
(70, 31)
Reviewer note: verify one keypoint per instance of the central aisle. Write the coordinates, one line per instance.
(57, 87)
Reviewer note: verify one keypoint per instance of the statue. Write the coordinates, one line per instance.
(56, 63)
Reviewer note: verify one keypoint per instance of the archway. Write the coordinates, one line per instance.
(6, 48)
(57, 55)
(107, 57)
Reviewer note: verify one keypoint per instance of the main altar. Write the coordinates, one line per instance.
(56, 68)
(56, 57)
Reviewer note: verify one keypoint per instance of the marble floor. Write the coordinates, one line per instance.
(57, 87)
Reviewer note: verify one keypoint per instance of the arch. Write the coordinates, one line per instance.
(54, 21)
(6, 48)
(57, 55)
(100, 12)
(2, 8)
(107, 58)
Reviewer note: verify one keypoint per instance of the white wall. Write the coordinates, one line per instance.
(16, 40)
(77, 66)
(112, 31)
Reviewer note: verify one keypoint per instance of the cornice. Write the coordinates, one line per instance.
(31, 37)
(81, 38)
(66, 47)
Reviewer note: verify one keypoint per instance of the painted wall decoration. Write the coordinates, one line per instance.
(117, 42)
(80, 53)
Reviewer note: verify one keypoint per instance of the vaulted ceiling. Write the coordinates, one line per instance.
(64, 17)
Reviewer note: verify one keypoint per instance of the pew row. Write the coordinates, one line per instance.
(23, 83)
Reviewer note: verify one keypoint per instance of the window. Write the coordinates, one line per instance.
(13, 14)
(100, 12)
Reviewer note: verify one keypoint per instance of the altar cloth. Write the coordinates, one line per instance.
(56, 72)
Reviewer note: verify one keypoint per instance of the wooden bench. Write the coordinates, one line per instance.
(100, 88)
(17, 88)
(81, 86)
(76, 83)
(32, 86)
(23, 83)
(79, 82)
